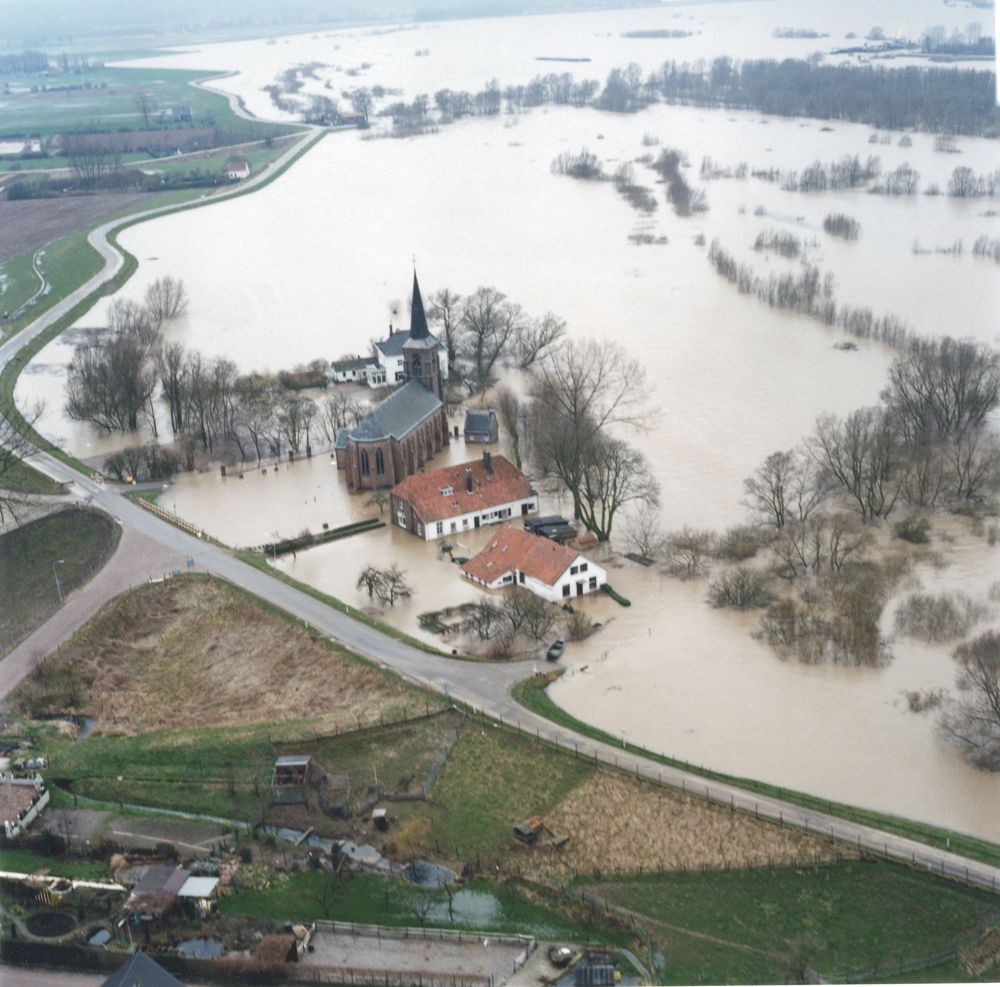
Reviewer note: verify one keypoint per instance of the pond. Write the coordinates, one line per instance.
(49, 925)
(200, 949)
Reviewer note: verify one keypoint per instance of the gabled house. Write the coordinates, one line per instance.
(481, 425)
(352, 369)
(238, 169)
(550, 570)
(387, 365)
(141, 971)
(461, 498)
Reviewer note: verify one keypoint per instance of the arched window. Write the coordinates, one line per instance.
(379, 462)
(365, 468)
(415, 368)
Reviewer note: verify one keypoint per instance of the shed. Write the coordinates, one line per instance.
(528, 829)
(291, 769)
(481, 425)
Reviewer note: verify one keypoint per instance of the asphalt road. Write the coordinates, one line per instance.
(485, 687)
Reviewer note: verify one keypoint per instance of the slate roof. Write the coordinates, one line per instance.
(516, 550)
(418, 321)
(423, 490)
(343, 434)
(141, 970)
(393, 345)
(355, 363)
(396, 415)
(479, 422)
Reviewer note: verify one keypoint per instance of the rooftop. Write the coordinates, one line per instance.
(141, 971)
(441, 493)
(15, 799)
(398, 413)
(479, 420)
(393, 345)
(517, 550)
(353, 363)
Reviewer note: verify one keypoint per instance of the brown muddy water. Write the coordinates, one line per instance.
(309, 266)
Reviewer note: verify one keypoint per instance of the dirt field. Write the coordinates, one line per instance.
(616, 822)
(192, 652)
(25, 225)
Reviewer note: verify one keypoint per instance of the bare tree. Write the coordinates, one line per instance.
(943, 387)
(974, 458)
(579, 391)
(489, 325)
(688, 552)
(513, 415)
(166, 299)
(171, 363)
(295, 415)
(484, 618)
(370, 579)
(536, 338)
(145, 104)
(613, 474)
(862, 454)
(445, 311)
(379, 499)
(529, 614)
(786, 487)
(393, 586)
(362, 102)
(973, 720)
(644, 533)
(93, 157)
(821, 542)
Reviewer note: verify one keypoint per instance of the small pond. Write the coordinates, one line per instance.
(50, 924)
(99, 937)
(201, 949)
(428, 875)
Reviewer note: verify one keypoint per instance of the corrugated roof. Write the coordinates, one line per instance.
(423, 491)
(516, 550)
(398, 413)
(198, 887)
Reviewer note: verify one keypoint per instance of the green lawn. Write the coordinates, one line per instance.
(492, 779)
(27, 862)
(367, 898)
(847, 917)
(22, 478)
(83, 540)
(107, 98)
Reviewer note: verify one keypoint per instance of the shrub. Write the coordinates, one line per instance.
(945, 617)
(741, 542)
(915, 530)
(739, 589)
(580, 626)
(839, 224)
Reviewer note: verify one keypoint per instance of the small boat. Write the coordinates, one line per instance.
(555, 650)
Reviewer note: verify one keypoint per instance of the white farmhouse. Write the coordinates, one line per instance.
(550, 570)
(385, 366)
(454, 499)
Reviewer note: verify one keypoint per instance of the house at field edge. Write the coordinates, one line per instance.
(460, 498)
(481, 425)
(550, 570)
(407, 428)
(237, 169)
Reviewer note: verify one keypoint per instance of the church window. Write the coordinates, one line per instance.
(415, 368)
(365, 466)
(379, 462)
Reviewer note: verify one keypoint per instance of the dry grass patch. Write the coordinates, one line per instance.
(192, 652)
(617, 823)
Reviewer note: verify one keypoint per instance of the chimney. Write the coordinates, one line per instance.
(468, 480)
(390, 329)
(488, 463)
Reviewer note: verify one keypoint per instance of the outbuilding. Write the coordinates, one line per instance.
(481, 425)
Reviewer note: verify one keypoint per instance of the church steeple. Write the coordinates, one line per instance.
(418, 321)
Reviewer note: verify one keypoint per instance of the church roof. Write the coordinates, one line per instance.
(395, 416)
(141, 971)
(418, 321)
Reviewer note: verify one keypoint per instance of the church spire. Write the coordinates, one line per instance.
(418, 321)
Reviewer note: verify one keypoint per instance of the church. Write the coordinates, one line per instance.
(408, 427)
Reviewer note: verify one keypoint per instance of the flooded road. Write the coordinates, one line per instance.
(309, 266)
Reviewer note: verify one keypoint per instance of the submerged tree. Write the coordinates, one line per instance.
(973, 720)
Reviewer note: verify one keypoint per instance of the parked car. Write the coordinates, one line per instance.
(555, 650)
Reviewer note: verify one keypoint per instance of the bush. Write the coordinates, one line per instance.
(915, 530)
(945, 617)
(739, 589)
(580, 626)
(741, 542)
(839, 224)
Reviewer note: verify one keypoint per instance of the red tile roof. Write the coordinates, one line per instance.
(514, 549)
(422, 491)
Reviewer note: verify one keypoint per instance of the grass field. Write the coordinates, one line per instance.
(838, 919)
(22, 478)
(27, 862)
(83, 540)
(106, 97)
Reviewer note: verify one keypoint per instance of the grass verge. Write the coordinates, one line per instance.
(533, 695)
(27, 862)
(69, 545)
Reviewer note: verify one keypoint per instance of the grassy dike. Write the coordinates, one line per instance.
(12, 370)
(532, 694)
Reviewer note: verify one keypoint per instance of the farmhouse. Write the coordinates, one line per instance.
(350, 370)
(237, 169)
(550, 570)
(461, 498)
(406, 429)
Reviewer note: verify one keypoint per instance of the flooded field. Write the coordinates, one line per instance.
(309, 266)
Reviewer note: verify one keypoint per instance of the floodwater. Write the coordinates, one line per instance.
(309, 266)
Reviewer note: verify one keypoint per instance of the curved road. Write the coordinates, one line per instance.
(485, 687)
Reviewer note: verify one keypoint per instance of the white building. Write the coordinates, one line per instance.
(550, 570)
(237, 170)
(385, 366)
(454, 499)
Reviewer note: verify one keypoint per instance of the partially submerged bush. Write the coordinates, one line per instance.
(915, 530)
(741, 542)
(739, 589)
(945, 617)
(842, 225)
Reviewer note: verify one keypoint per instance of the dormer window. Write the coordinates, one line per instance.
(447, 491)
